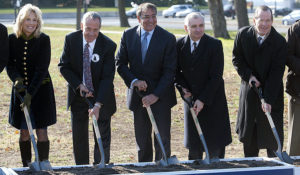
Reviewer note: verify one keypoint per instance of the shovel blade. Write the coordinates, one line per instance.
(283, 156)
(100, 165)
(34, 166)
(45, 165)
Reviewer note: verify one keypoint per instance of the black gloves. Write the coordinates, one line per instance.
(27, 101)
(19, 85)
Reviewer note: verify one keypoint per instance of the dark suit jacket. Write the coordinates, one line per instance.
(158, 69)
(202, 73)
(103, 71)
(3, 47)
(267, 63)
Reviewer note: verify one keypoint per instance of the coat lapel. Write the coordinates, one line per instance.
(79, 50)
(137, 41)
(99, 50)
(152, 44)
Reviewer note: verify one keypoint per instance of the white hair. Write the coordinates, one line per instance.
(92, 15)
(193, 15)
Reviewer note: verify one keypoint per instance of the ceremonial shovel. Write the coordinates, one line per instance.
(196, 121)
(165, 161)
(98, 136)
(281, 155)
(37, 165)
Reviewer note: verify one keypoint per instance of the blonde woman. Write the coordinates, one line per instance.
(28, 64)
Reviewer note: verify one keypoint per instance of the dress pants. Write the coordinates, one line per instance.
(80, 122)
(293, 145)
(143, 132)
(251, 149)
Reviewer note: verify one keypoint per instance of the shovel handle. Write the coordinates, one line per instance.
(29, 126)
(180, 89)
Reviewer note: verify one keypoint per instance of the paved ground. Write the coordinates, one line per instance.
(111, 19)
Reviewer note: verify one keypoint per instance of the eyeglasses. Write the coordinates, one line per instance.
(147, 17)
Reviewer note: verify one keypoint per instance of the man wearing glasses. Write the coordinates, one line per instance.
(146, 61)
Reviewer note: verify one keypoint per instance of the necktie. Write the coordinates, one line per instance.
(195, 47)
(259, 40)
(144, 46)
(87, 68)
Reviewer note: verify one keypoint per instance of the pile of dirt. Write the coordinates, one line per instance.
(153, 168)
(297, 162)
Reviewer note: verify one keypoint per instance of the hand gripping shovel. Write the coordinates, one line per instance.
(281, 155)
(37, 165)
(98, 136)
(165, 161)
(196, 121)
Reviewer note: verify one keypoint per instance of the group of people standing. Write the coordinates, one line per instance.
(151, 60)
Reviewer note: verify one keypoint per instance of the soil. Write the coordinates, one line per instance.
(153, 168)
(297, 162)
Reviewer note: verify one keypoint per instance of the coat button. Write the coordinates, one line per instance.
(24, 58)
(25, 68)
(25, 48)
(25, 73)
(26, 83)
(25, 53)
(26, 78)
(24, 64)
(26, 42)
(294, 100)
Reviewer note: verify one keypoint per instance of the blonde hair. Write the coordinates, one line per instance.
(23, 14)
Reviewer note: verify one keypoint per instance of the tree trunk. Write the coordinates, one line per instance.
(241, 13)
(217, 18)
(78, 14)
(122, 15)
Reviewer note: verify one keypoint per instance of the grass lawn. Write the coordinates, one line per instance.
(123, 147)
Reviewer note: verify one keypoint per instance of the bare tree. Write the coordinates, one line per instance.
(78, 14)
(122, 15)
(241, 13)
(217, 18)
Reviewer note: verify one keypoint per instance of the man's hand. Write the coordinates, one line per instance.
(198, 106)
(94, 111)
(140, 84)
(253, 78)
(187, 93)
(27, 101)
(266, 107)
(148, 100)
(19, 85)
(82, 89)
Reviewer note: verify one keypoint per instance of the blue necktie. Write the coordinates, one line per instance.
(87, 68)
(144, 46)
(259, 39)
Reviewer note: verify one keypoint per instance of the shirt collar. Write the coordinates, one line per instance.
(192, 42)
(91, 44)
(144, 31)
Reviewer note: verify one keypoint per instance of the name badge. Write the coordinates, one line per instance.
(95, 57)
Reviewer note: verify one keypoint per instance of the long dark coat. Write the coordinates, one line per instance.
(3, 47)
(266, 63)
(30, 60)
(202, 75)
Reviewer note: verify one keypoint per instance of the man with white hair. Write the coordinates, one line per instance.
(201, 56)
(87, 64)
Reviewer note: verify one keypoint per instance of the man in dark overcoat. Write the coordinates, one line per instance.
(147, 60)
(3, 47)
(293, 89)
(200, 69)
(259, 55)
(87, 64)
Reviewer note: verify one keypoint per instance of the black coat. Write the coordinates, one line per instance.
(293, 60)
(266, 63)
(158, 69)
(202, 75)
(103, 71)
(30, 60)
(3, 47)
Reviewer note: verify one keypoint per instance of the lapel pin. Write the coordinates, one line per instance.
(95, 57)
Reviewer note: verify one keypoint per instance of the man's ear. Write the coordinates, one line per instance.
(186, 28)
